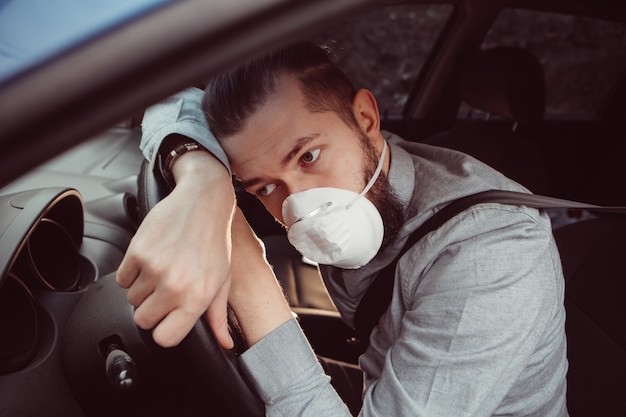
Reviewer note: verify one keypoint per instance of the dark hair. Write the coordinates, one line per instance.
(232, 97)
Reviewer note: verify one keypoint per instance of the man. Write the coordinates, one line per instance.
(476, 322)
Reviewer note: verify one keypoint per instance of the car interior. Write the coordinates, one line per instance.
(537, 89)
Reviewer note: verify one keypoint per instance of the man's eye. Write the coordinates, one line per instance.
(266, 189)
(310, 156)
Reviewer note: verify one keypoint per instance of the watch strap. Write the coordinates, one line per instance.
(171, 156)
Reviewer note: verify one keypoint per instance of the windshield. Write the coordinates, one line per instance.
(32, 31)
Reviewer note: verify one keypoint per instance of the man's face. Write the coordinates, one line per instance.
(285, 148)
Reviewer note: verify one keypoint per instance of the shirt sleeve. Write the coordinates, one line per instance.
(179, 114)
(288, 376)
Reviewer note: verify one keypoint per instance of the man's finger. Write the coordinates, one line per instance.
(139, 291)
(127, 272)
(217, 317)
(153, 309)
(173, 328)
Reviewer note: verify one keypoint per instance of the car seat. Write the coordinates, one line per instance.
(595, 284)
(606, 186)
(507, 82)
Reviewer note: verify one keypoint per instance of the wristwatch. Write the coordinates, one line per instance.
(171, 149)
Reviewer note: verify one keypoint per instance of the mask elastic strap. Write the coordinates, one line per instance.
(371, 182)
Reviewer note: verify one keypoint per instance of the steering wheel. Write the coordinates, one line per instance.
(217, 368)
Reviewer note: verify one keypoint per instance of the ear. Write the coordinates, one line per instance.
(366, 113)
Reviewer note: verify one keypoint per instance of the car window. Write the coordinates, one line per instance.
(32, 30)
(582, 58)
(384, 49)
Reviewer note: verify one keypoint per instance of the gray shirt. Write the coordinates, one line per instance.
(476, 322)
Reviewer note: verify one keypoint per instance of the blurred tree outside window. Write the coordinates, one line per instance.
(384, 49)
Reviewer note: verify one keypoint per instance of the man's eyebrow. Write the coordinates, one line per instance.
(251, 183)
(295, 150)
(300, 143)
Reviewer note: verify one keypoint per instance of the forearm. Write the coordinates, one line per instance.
(255, 295)
(289, 379)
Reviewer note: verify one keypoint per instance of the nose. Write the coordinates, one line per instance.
(298, 182)
(292, 186)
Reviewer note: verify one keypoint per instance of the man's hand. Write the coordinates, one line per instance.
(178, 264)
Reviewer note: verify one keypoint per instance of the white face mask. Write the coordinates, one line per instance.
(333, 226)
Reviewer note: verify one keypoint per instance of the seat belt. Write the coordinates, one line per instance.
(378, 296)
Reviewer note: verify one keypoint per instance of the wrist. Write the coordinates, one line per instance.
(200, 166)
(203, 177)
(259, 304)
(171, 148)
(175, 148)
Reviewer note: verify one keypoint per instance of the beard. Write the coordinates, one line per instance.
(381, 194)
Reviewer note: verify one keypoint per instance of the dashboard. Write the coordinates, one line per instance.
(64, 229)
